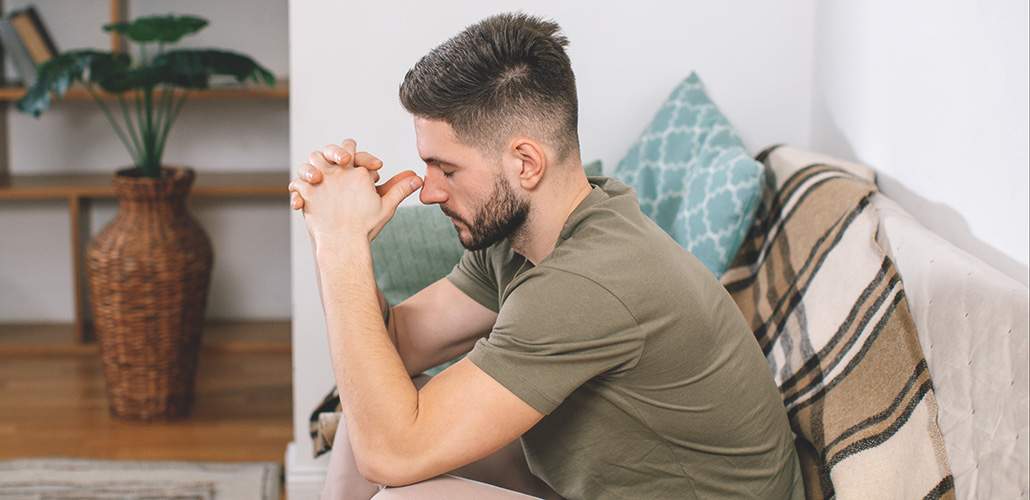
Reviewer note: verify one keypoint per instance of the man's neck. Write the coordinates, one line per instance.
(539, 235)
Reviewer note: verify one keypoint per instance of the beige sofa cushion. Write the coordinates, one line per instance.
(973, 327)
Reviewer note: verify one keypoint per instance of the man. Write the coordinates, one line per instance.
(622, 364)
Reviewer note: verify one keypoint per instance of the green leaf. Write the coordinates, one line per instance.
(59, 73)
(138, 78)
(166, 29)
(193, 68)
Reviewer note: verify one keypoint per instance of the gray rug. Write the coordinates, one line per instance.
(66, 479)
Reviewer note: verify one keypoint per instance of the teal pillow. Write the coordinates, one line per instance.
(415, 249)
(693, 176)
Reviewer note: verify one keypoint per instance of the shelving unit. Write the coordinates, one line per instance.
(280, 91)
(79, 190)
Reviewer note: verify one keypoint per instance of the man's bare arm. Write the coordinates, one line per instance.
(389, 421)
(435, 325)
(401, 435)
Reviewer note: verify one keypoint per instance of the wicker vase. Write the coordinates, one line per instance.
(149, 271)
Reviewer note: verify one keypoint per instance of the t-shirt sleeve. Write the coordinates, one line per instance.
(474, 276)
(557, 331)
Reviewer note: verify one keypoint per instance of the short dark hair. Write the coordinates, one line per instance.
(506, 74)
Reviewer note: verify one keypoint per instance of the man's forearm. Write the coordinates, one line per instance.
(414, 362)
(373, 383)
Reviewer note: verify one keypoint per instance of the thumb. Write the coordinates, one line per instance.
(403, 184)
(385, 187)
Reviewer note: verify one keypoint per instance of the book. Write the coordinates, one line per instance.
(33, 34)
(19, 54)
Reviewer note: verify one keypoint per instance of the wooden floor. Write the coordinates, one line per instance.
(52, 400)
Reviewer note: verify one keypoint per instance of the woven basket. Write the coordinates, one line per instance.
(149, 271)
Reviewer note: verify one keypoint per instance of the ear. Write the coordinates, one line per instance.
(534, 162)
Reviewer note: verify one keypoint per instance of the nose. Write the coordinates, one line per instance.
(433, 187)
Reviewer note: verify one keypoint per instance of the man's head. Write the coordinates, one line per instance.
(495, 109)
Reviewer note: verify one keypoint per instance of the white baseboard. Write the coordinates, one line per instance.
(304, 476)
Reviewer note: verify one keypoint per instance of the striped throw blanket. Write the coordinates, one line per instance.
(828, 309)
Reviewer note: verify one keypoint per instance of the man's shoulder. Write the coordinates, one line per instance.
(626, 254)
(557, 283)
(616, 245)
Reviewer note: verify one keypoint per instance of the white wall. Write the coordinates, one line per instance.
(348, 58)
(35, 262)
(934, 95)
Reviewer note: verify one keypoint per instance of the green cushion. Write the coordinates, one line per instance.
(415, 249)
(693, 176)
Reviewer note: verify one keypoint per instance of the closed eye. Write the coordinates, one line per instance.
(432, 163)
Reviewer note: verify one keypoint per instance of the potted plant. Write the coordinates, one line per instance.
(149, 269)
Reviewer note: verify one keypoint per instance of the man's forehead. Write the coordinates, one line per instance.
(437, 130)
(437, 142)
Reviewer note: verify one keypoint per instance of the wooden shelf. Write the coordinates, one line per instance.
(223, 336)
(280, 91)
(207, 184)
(79, 190)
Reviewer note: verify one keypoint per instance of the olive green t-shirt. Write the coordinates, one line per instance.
(651, 383)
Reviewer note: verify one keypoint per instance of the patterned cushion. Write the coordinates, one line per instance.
(693, 176)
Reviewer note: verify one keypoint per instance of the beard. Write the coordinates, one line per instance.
(501, 215)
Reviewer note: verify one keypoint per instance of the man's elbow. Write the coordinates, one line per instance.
(372, 470)
(387, 468)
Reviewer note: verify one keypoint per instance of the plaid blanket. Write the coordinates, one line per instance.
(828, 308)
(324, 421)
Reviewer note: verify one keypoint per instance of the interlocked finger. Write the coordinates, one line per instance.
(308, 173)
(336, 154)
(367, 160)
(319, 161)
(349, 146)
(298, 191)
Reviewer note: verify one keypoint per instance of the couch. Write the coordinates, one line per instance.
(970, 322)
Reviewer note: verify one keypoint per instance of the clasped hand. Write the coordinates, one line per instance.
(336, 191)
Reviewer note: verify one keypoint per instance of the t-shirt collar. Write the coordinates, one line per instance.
(596, 195)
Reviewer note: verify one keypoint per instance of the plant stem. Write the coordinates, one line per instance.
(161, 116)
(110, 118)
(131, 128)
(162, 108)
(163, 138)
(139, 119)
(152, 168)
